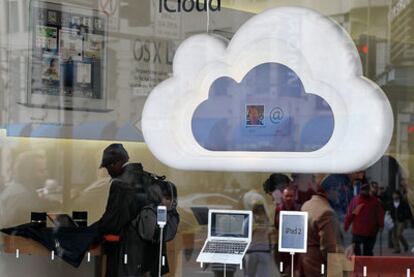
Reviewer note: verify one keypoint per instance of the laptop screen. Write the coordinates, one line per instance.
(230, 225)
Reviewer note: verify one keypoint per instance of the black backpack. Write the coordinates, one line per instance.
(148, 228)
(146, 221)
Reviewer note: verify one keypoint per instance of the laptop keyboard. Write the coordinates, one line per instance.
(228, 247)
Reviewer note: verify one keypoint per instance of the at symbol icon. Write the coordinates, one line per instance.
(276, 115)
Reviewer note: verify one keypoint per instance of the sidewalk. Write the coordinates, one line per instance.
(408, 234)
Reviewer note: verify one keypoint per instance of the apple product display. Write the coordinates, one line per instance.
(161, 215)
(293, 232)
(229, 237)
(67, 65)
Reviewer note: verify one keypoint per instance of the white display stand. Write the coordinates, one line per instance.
(238, 231)
(293, 233)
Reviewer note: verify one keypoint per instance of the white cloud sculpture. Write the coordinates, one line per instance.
(317, 49)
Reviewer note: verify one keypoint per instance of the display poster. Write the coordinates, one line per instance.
(152, 63)
(68, 58)
(86, 79)
(293, 229)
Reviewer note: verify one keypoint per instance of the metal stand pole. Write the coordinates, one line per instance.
(225, 270)
(292, 264)
(380, 240)
(160, 259)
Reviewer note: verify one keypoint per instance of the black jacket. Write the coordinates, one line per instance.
(128, 194)
(126, 197)
(400, 214)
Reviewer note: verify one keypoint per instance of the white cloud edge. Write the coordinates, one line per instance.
(162, 131)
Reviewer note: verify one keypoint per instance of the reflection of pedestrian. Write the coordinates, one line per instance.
(388, 172)
(400, 214)
(323, 231)
(366, 215)
(20, 196)
(304, 185)
(259, 261)
(274, 187)
(375, 189)
(97, 192)
(288, 204)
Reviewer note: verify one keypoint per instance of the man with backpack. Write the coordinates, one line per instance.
(132, 191)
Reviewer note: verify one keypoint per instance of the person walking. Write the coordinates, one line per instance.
(366, 215)
(259, 260)
(323, 228)
(401, 215)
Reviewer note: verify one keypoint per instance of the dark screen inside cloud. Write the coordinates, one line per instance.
(268, 111)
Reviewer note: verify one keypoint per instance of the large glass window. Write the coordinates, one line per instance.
(75, 76)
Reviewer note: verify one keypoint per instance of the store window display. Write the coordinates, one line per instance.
(137, 56)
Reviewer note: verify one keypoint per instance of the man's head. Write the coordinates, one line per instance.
(374, 188)
(30, 169)
(329, 185)
(365, 188)
(274, 186)
(289, 197)
(396, 196)
(113, 158)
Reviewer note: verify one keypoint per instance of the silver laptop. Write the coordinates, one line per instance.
(229, 237)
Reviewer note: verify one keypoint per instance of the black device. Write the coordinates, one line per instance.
(161, 216)
(38, 218)
(62, 220)
(80, 218)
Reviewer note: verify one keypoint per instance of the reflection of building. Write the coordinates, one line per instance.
(400, 83)
(401, 16)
